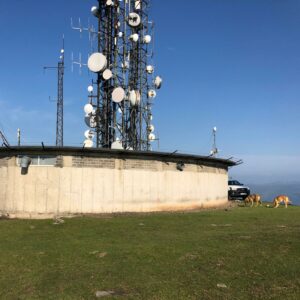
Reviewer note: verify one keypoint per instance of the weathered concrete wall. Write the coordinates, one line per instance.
(107, 185)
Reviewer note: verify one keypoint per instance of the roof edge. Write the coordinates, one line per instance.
(15, 150)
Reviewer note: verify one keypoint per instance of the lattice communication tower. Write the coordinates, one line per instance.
(121, 96)
(60, 100)
(60, 97)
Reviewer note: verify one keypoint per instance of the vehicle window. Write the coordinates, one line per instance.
(234, 182)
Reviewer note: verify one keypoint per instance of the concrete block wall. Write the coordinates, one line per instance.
(81, 184)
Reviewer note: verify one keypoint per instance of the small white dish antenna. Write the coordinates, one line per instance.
(151, 137)
(107, 74)
(89, 134)
(151, 128)
(117, 145)
(150, 69)
(88, 144)
(134, 37)
(120, 34)
(151, 94)
(118, 95)
(90, 89)
(158, 82)
(109, 3)
(88, 109)
(97, 62)
(95, 11)
(90, 122)
(147, 39)
(134, 20)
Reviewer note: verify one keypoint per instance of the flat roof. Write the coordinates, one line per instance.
(122, 154)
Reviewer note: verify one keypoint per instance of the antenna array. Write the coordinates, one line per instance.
(119, 109)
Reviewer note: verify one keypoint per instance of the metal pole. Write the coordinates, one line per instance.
(60, 100)
(19, 137)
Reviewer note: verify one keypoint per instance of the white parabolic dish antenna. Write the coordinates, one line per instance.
(88, 144)
(150, 69)
(151, 94)
(107, 74)
(158, 82)
(97, 62)
(147, 39)
(118, 95)
(134, 19)
(90, 122)
(151, 128)
(134, 37)
(151, 136)
(95, 11)
(117, 145)
(88, 109)
(89, 134)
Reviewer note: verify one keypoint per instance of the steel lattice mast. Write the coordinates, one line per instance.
(60, 101)
(119, 109)
(60, 97)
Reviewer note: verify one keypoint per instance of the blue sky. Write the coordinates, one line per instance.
(227, 63)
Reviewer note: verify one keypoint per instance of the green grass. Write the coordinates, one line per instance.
(253, 251)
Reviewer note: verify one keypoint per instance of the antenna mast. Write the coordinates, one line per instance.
(60, 99)
(119, 111)
(214, 150)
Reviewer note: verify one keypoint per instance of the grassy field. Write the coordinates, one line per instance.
(240, 253)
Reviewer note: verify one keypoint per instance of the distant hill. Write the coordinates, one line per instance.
(270, 190)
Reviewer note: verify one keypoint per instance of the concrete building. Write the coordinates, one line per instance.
(90, 181)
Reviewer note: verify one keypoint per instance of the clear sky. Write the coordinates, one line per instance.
(228, 63)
